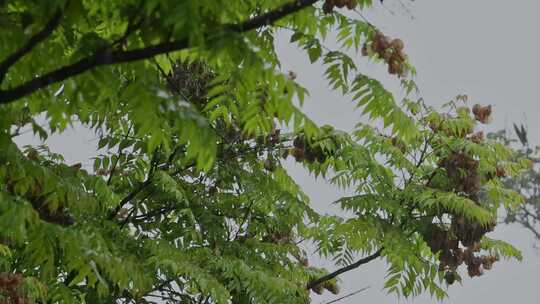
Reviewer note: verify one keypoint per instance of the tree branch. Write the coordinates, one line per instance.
(342, 270)
(120, 151)
(137, 190)
(30, 45)
(129, 197)
(273, 16)
(348, 295)
(110, 56)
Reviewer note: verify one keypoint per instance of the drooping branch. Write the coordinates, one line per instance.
(342, 270)
(30, 44)
(111, 56)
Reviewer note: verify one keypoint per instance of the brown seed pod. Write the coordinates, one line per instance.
(340, 3)
(395, 57)
(394, 67)
(311, 155)
(299, 142)
(328, 7)
(292, 75)
(388, 55)
(270, 165)
(299, 154)
(487, 261)
(482, 114)
(33, 154)
(397, 44)
(364, 50)
(500, 172)
(351, 4)
(375, 45)
(382, 42)
(477, 137)
(391, 70)
(402, 56)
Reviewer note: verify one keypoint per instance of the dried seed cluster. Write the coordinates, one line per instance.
(190, 80)
(303, 151)
(452, 255)
(462, 171)
(391, 50)
(10, 284)
(460, 244)
(329, 5)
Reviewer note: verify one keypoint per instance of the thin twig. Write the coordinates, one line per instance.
(244, 219)
(120, 151)
(348, 295)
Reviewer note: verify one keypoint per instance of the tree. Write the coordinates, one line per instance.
(189, 201)
(527, 184)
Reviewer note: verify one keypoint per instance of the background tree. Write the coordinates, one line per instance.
(527, 184)
(189, 201)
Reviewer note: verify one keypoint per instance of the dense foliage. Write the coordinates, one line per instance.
(188, 200)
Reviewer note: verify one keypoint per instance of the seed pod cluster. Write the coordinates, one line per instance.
(10, 289)
(477, 137)
(279, 237)
(190, 80)
(390, 50)
(329, 5)
(462, 171)
(302, 151)
(399, 144)
(459, 242)
(468, 232)
(451, 255)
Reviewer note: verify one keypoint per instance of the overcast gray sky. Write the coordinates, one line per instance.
(486, 49)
